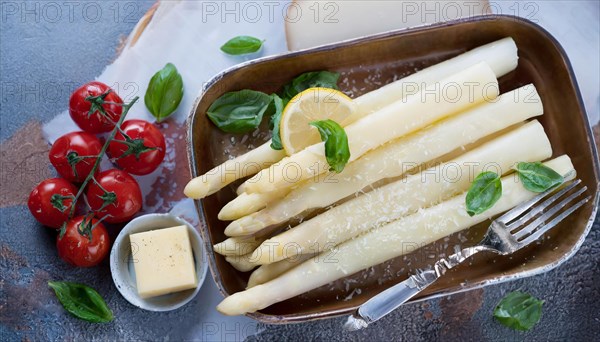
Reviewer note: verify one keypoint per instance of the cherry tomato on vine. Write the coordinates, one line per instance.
(114, 194)
(73, 155)
(95, 107)
(84, 242)
(50, 202)
(140, 150)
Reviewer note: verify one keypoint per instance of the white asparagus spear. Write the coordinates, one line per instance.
(241, 262)
(268, 272)
(246, 204)
(397, 157)
(500, 55)
(450, 96)
(240, 189)
(527, 143)
(238, 245)
(232, 170)
(379, 245)
(264, 273)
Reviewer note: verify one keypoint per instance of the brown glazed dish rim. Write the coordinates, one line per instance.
(296, 318)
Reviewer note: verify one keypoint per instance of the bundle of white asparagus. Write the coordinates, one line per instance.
(415, 147)
(378, 245)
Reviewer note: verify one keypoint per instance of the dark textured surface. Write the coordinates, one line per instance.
(37, 55)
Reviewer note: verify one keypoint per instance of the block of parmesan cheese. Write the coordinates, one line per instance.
(310, 23)
(163, 261)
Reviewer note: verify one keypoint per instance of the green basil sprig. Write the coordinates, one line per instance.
(82, 301)
(537, 177)
(275, 121)
(519, 311)
(337, 150)
(241, 45)
(164, 92)
(312, 79)
(239, 111)
(242, 111)
(484, 192)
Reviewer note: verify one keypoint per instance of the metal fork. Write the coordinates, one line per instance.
(512, 231)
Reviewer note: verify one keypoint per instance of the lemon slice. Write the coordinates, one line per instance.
(313, 104)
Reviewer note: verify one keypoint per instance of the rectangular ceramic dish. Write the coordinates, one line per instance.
(366, 64)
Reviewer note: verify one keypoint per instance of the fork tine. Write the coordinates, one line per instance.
(554, 222)
(549, 213)
(518, 210)
(539, 208)
(521, 208)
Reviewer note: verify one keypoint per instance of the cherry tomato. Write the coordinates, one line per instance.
(84, 242)
(116, 195)
(141, 150)
(50, 202)
(74, 154)
(90, 112)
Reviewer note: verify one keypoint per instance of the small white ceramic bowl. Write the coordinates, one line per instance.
(123, 271)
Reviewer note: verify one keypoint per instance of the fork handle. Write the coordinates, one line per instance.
(389, 300)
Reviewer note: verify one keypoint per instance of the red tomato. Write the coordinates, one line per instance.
(51, 201)
(73, 155)
(84, 242)
(116, 195)
(141, 150)
(87, 104)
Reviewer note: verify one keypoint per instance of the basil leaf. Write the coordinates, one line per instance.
(274, 123)
(241, 45)
(82, 301)
(537, 177)
(484, 192)
(519, 311)
(313, 79)
(337, 151)
(239, 111)
(164, 92)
